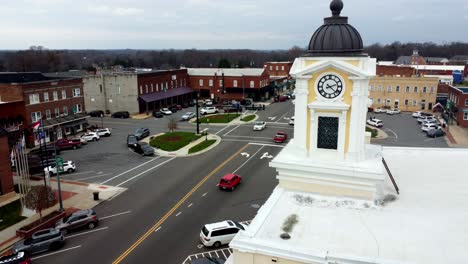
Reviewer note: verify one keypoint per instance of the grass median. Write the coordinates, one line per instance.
(173, 141)
(203, 145)
(220, 118)
(248, 118)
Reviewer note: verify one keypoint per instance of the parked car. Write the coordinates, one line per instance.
(208, 260)
(131, 141)
(22, 258)
(158, 114)
(68, 166)
(282, 98)
(79, 219)
(280, 137)
(179, 107)
(435, 133)
(380, 110)
(121, 114)
(430, 121)
(90, 136)
(426, 118)
(188, 116)
(428, 127)
(185, 105)
(208, 102)
(374, 122)
(173, 109)
(291, 121)
(191, 102)
(79, 139)
(166, 111)
(142, 133)
(103, 132)
(144, 149)
(208, 110)
(259, 126)
(67, 144)
(96, 113)
(419, 114)
(220, 233)
(43, 240)
(229, 181)
(393, 111)
(46, 151)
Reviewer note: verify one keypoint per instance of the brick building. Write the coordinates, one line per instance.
(457, 104)
(29, 97)
(136, 92)
(397, 87)
(230, 84)
(6, 177)
(278, 69)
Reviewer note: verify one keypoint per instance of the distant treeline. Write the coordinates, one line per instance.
(41, 59)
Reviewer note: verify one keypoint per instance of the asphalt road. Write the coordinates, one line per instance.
(158, 219)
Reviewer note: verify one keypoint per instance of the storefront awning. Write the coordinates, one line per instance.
(152, 97)
(64, 120)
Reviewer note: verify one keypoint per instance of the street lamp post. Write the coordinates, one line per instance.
(196, 109)
(58, 168)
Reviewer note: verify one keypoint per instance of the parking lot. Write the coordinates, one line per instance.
(404, 131)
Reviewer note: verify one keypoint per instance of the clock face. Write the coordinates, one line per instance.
(330, 86)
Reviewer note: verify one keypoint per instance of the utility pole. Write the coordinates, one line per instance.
(196, 107)
(58, 168)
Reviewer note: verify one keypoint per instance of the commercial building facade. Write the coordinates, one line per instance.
(397, 87)
(457, 104)
(30, 97)
(278, 69)
(135, 92)
(230, 84)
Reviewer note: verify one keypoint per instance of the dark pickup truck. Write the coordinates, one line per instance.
(67, 144)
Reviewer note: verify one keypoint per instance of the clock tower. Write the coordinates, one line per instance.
(330, 153)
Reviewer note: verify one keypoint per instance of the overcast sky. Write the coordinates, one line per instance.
(220, 24)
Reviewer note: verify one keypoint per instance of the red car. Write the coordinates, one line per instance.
(67, 144)
(280, 137)
(229, 181)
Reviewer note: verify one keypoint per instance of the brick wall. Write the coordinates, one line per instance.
(278, 68)
(6, 178)
(155, 81)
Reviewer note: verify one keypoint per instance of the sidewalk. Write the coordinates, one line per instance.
(75, 195)
(457, 136)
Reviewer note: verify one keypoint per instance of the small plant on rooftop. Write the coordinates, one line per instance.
(288, 226)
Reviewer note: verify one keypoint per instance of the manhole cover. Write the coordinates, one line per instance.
(256, 206)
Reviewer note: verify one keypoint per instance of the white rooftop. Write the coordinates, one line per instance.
(427, 223)
(439, 67)
(226, 71)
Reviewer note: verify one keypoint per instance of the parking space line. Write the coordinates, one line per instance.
(138, 175)
(248, 159)
(224, 254)
(204, 194)
(157, 229)
(244, 140)
(190, 205)
(87, 232)
(144, 163)
(231, 130)
(91, 177)
(178, 213)
(109, 216)
(56, 252)
(250, 137)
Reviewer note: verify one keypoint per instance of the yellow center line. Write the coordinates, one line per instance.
(181, 201)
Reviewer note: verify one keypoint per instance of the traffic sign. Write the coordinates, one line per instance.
(60, 164)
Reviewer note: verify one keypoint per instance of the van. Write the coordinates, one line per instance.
(220, 233)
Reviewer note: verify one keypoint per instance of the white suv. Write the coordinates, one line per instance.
(208, 110)
(427, 127)
(220, 233)
(90, 136)
(374, 122)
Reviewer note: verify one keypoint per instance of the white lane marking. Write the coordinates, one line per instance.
(138, 175)
(244, 140)
(190, 205)
(266, 155)
(285, 127)
(157, 229)
(224, 254)
(245, 154)
(393, 132)
(56, 252)
(91, 177)
(283, 116)
(248, 159)
(87, 232)
(73, 174)
(204, 194)
(109, 216)
(221, 130)
(267, 145)
(130, 170)
(178, 213)
(272, 118)
(231, 130)
(251, 137)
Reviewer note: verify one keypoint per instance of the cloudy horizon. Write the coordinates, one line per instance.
(221, 24)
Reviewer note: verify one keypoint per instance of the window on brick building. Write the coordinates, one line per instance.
(432, 89)
(415, 102)
(64, 94)
(34, 99)
(389, 88)
(252, 84)
(415, 89)
(277, 68)
(371, 88)
(36, 116)
(76, 92)
(424, 89)
(146, 88)
(235, 83)
(282, 68)
(200, 82)
(46, 97)
(47, 114)
(57, 112)
(141, 89)
(466, 102)
(271, 68)
(65, 110)
(152, 88)
(220, 83)
(397, 89)
(380, 88)
(407, 89)
(55, 94)
(78, 108)
(465, 115)
(157, 87)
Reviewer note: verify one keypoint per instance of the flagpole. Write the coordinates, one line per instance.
(40, 150)
(25, 162)
(19, 172)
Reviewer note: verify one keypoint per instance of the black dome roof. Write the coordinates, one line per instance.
(336, 37)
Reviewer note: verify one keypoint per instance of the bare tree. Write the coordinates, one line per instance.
(172, 124)
(40, 197)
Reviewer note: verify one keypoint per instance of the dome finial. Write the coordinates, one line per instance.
(336, 6)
